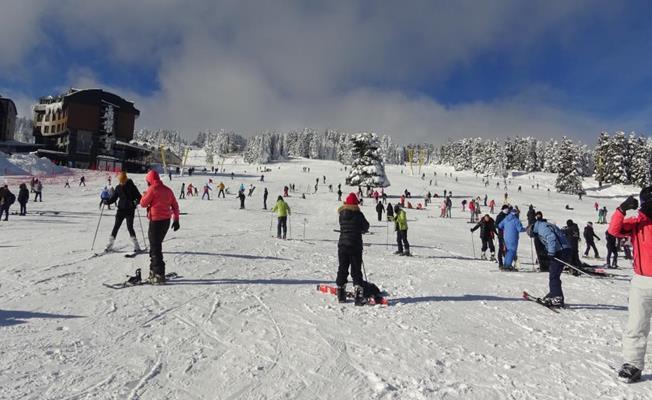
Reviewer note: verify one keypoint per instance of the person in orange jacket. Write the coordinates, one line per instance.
(161, 204)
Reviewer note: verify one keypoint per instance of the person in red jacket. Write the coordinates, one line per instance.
(161, 204)
(639, 230)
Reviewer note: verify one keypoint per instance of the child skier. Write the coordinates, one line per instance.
(487, 230)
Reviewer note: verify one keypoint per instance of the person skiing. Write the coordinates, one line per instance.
(401, 227)
(472, 210)
(339, 194)
(572, 233)
(82, 181)
(492, 205)
(390, 212)
(182, 195)
(501, 241)
(464, 205)
(285, 191)
(449, 206)
(206, 192)
(265, 194)
(639, 230)
(612, 250)
(67, 185)
(353, 225)
(596, 206)
(589, 235)
(105, 195)
(282, 210)
(23, 198)
(487, 230)
(531, 215)
(221, 192)
(251, 190)
(511, 227)
(558, 252)
(127, 196)
(242, 197)
(162, 206)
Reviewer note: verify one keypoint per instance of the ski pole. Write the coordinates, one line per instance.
(290, 225)
(364, 270)
(577, 269)
(473, 244)
(532, 252)
(142, 231)
(98, 226)
(271, 222)
(387, 234)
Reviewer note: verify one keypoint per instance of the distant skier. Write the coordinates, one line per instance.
(557, 248)
(390, 212)
(105, 195)
(572, 233)
(67, 185)
(38, 190)
(612, 251)
(221, 192)
(182, 194)
(380, 208)
(589, 235)
(464, 205)
(265, 194)
(82, 181)
(161, 206)
(339, 194)
(206, 192)
(487, 231)
(251, 190)
(401, 227)
(127, 196)
(242, 198)
(349, 249)
(282, 210)
(472, 210)
(511, 227)
(639, 230)
(492, 205)
(23, 198)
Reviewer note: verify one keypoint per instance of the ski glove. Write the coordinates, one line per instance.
(175, 226)
(629, 204)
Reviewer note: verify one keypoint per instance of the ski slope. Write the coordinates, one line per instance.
(244, 321)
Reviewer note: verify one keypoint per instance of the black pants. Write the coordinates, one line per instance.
(612, 251)
(4, 210)
(221, 192)
(282, 227)
(156, 233)
(555, 270)
(182, 195)
(39, 196)
(501, 250)
(401, 240)
(542, 254)
(23, 208)
(120, 216)
(380, 216)
(488, 243)
(591, 245)
(349, 256)
(264, 202)
(575, 256)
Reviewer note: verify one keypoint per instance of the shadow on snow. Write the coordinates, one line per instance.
(14, 317)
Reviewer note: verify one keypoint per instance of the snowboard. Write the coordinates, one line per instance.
(375, 300)
(538, 300)
(127, 284)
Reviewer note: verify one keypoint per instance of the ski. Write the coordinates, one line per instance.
(374, 300)
(135, 253)
(131, 282)
(538, 300)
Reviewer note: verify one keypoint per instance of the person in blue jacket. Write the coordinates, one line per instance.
(511, 227)
(559, 252)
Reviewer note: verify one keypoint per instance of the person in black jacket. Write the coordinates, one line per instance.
(127, 196)
(349, 248)
(504, 211)
(487, 230)
(572, 233)
(589, 235)
(380, 209)
(23, 198)
(6, 200)
(390, 212)
(531, 215)
(612, 250)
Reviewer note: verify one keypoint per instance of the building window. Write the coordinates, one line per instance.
(84, 142)
(39, 117)
(46, 129)
(47, 116)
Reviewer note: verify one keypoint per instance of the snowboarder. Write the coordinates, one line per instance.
(390, 212)
(242, 198)
(557, 248)
(265, 194)
(589, 235)
(282, 210)
(221, 192)
(511, 227)
(487, 230)
(612, 250)
(161, 206)
(380, 208)
(638, 229)
(349, 249)
(182, 195)
(401, 227)
(23, 198)
(127, 196)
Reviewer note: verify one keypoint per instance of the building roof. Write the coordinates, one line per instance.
(90, 96)
(9, 102)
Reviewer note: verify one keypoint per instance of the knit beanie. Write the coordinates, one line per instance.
(351, 199)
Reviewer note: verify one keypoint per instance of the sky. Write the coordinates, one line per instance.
(420, 71)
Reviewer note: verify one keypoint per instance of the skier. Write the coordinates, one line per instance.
(282, 209)
(161, 206)
(182, 195)
(596, 206)
(349, 249)
(492, 205)
(380, 209)
(449, 206)
(190, 190)
(251, 190)
(401, 227)
(38, 189)
(206, 192)
(531, 215)
(221, 192)
(464, 205)
(242, 198)
(487, 230)
(104, 197)
(23, 198)
(638, 229)
(612, 250)
(67, 185)
(285, 191)
(557, 248)
(390, 212)
(485, 200)
(82, 181)
(589, 235)
(384, 196)
(339, 195)
(501, 241)
(265, 194)
(511, 227)
(572, 233)
(127, 196)
(472, 210)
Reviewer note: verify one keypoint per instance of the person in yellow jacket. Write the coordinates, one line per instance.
(401, 227)
(282, 209)
(221, 192)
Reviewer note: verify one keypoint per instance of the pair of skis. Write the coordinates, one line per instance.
(539, 300)
(372, 301)
(136, 280)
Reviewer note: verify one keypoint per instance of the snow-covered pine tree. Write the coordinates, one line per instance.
(600, 155)
(551, 156)
(568, 178)
(640, 162)
(614, 162)
(367, 168)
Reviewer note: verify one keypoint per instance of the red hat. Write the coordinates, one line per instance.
(351, 199)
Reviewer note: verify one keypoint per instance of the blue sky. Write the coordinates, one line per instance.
(419, 71)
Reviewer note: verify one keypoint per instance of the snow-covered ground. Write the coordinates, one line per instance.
(245, 321)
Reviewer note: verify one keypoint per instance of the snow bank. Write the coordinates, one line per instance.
(34, 165)
(9, 168)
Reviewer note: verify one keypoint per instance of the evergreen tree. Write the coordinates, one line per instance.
(568, 178)
(367, 168)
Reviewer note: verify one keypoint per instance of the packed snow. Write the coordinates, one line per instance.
(245, 321)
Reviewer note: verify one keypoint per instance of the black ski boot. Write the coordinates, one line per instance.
(629, 373)
(341, 294)
(358, 296)
(136, 279)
